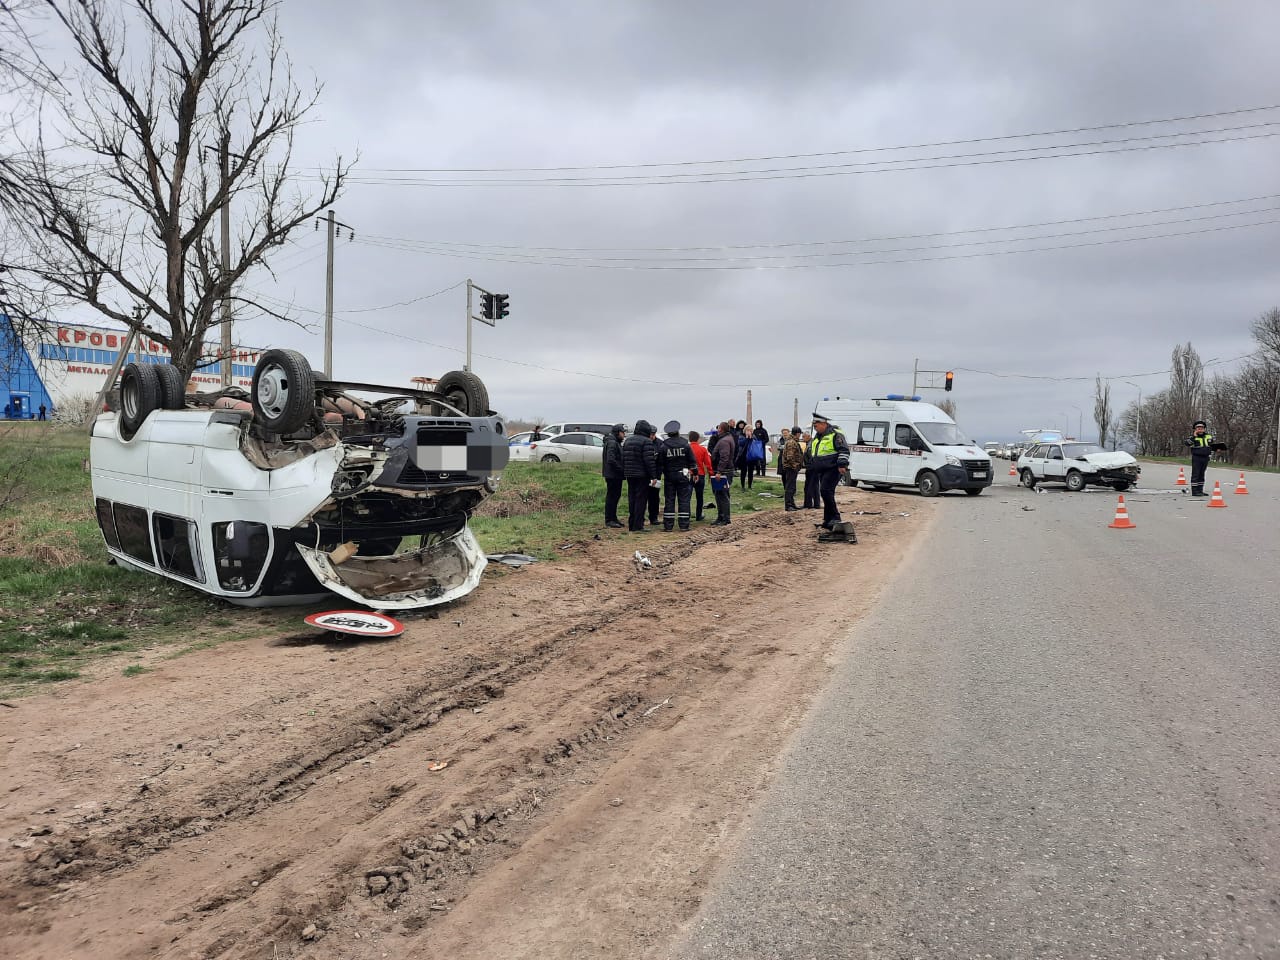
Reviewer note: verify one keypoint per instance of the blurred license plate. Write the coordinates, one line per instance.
(979, 474)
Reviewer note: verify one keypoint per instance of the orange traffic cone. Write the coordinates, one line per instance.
(1240, 487)
(1013, 471)
(1216, 500)
(1122, 521)
(1182, 478)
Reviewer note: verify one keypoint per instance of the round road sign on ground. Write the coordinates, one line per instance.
(360, 622)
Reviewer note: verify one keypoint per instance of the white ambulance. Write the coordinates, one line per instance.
(899, 441)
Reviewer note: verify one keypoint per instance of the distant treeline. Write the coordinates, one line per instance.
(1241, 409)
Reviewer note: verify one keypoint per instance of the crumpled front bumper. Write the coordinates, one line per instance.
(435, 574)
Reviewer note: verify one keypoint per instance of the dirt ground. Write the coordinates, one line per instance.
(605, 729)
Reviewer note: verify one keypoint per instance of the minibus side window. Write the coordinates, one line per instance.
(178, 547)
(874, 433)
(240, 551)
(904, 436)
(134, 533)
(107, 523)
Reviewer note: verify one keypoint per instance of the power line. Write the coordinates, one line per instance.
(775, 245)
(820, 266)
(801, 173)
(829, 153)
(571, 259)
(386, 306)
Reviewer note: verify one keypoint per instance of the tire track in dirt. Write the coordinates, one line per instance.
(349, 826)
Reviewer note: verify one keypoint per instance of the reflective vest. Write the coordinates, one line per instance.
(1202, 441)
(824, 445)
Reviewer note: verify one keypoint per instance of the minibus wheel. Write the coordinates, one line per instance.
(927, 484)
(139, 396)
(465, 391)
(173, 390)
(284, 391)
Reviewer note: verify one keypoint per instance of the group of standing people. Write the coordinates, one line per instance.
(680, 467)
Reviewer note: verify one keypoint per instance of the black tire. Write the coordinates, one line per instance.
(550, 458)
(1122, 486)
(1027, 478)
(173, 389)
(974, 493)
(284, 391)
(465, 391)
(1076, 481)
(927, 484)
(139, 396)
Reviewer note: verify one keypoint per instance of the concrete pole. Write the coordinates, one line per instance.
(224, 161)
(795, 412)
(328, 306)
(467, 363)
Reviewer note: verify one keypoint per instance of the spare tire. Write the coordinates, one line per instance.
(140, 394)
(173, 389)
(284, 391)
(465, 391)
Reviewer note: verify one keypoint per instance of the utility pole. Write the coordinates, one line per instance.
(333, 226)
(915, 375)
(224, 164)
(795, 411)
(466, 365)
(749, 420)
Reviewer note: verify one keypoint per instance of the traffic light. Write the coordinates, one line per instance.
(950, 380)
(487, 306)
(500, 305)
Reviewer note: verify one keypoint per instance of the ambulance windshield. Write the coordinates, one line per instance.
(944, 434)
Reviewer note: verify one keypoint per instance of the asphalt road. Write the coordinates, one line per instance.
(1048, 739)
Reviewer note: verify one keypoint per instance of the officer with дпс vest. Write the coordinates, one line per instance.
(828, 458)
(677, 465)
(1202, 446)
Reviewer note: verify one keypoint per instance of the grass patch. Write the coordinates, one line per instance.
(134, 669)
(539, 507)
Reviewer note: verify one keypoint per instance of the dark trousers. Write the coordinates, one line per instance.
(750, 470)
(675, 502)
(699, 486)
(637, 502)
(810, 489)
(612, 494)
(1198, 465)
(827, 481)
(654, 503)
(722, 503)
(789, 487)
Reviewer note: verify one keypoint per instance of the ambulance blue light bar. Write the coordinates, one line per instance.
(901, 396)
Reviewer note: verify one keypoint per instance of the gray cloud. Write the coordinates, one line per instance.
(498, 84)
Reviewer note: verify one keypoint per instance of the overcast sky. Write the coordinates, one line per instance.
(414, 85)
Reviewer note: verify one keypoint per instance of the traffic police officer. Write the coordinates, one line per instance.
(1202, 447)
(828, 459)
(677, 465)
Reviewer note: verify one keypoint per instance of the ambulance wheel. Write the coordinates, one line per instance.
(173, 389)
(550, 458)
(927, 484)
(465, 391)
(284, 391)
(139, 396)
(1075, 481)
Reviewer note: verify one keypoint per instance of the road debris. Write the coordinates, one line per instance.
(436, 765)
(664, 703)
(641, 561)
(512, 559)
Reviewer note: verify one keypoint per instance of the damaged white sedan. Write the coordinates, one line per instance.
(299, 488)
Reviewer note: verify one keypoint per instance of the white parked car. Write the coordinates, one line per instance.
(1077, 465)
(569, 448)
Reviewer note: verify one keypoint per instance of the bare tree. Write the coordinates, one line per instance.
(1103, 414)
(1266, 330)
(947, 406)
(118, 212)
(1186, 382)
